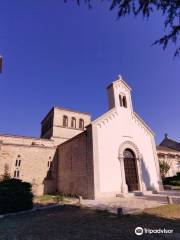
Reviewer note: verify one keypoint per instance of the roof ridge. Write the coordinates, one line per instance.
(21, 136)
(173, 140)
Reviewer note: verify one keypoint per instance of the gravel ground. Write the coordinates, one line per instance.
(77, 223)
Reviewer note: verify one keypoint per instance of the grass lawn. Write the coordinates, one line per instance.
(73, 222)
(52, 199)
(166, 211)
(171, 187)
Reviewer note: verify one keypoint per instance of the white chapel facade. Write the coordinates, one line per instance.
(124, 147)
(113, 154)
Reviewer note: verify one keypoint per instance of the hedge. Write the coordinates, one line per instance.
(174, 181)
(15, 195)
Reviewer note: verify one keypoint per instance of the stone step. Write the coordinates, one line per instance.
(138, 193)
(147, 193)
(130, 194)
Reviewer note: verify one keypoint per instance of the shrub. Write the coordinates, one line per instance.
(59, 198)
(6, 174)
(164, 168)
(175, 180)
(15, 196)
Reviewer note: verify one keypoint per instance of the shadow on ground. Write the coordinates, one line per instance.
(75, 223)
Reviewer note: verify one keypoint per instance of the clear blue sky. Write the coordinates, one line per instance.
(58, 54)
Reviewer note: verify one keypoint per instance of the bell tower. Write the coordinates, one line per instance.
(119, 94)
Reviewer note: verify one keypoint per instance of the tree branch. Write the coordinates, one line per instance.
(170, 9)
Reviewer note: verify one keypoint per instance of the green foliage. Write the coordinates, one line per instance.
(15, 196)
(164, 168)
(6, 174)
(45, 198)
(170, 9)
(174, 181)
(59, 198)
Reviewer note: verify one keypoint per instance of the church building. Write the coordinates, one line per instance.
(169, 151)
(112, 155)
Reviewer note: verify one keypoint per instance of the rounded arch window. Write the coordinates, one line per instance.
(65, 121)
(81, 123)
(120, 100)
(73, 122)
(124, 101)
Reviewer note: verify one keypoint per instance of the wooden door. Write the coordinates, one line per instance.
(130, 169)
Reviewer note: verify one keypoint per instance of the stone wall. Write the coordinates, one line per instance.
(29, 141)
(35, 159)
(52, 126)
(75, 166)
(32, 160)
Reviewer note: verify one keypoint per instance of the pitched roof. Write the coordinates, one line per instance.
(170, 143)
(119, 80)
(166, 149)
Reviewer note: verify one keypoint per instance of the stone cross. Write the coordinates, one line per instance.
(119, 77)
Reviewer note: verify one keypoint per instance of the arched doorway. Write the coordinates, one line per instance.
(130, 169)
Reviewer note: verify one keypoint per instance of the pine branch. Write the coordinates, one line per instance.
(170, 9)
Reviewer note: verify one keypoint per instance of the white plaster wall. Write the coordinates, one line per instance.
(109, 132)
(121, 126)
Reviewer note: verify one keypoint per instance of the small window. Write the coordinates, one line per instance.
(73, 122)
(81, 123)
(65, 121)
(16, 174)
(16, 164)
(124, 101)
(49, 164)
(49, 174)
(19, 163)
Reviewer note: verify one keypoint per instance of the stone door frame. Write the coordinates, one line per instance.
(138, 156)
